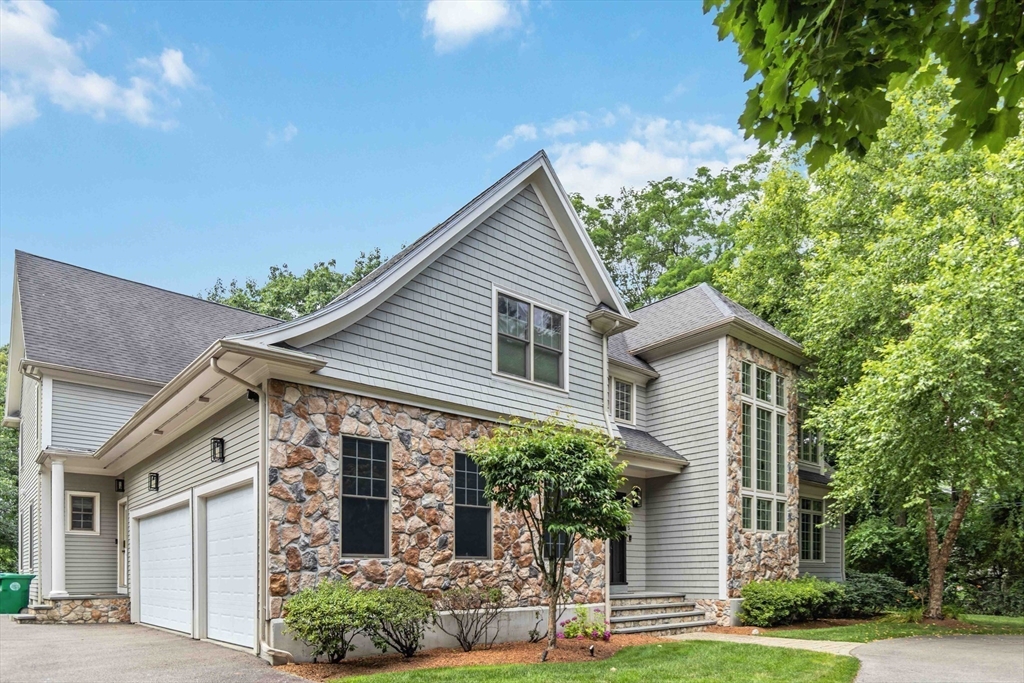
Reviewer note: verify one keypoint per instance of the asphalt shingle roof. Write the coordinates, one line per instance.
(617, 351)
(640, 441)
(91, 321)
(813, 477)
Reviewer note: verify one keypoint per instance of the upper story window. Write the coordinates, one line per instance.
(763, 434)
(623, 397)
(83, 512)
(810, 444)
(530, 341)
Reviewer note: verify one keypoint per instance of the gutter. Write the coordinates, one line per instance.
(756, 331)
(31, 367)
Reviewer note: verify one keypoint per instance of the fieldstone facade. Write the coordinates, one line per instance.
(305, 428)
(755, 555)
(113, 610)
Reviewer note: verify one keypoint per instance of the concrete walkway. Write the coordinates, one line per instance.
(121, 653)
(832, 647)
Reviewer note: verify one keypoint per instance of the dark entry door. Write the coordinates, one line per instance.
(618, 561)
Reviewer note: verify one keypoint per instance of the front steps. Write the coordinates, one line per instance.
(656, 614)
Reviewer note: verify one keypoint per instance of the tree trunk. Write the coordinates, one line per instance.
(552, 619)
(938, 553)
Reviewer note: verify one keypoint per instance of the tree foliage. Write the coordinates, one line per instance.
(563, 480)
(671, 234)
(288, 295)
(827, 67)
(8, 479)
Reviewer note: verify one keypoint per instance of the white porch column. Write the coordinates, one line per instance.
(57, 527)
(45, 532)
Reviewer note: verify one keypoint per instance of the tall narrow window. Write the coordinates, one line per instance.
(745, 428)
(747, 521)
(745, 378)
(780, 391)
(530, 341)
(764, 385)
(780, 516)
(623, 401)
(764, 450)
(364, 497)
(780, 453)
(472, 511)
(812, 541)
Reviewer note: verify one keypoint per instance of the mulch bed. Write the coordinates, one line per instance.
(505, 653)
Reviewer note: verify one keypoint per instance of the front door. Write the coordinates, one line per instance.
(618, 561)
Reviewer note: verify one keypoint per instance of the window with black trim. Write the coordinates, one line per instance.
(472, 511)
(812, 533)
(364, 497)
(530, 341)
(559, 545)
(623, 401)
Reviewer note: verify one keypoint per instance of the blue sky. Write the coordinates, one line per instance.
(175, 143)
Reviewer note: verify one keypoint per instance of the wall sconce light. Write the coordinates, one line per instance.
(638, 500)
(216, 449)
(119, 485)
(252, 396)
(154, 481)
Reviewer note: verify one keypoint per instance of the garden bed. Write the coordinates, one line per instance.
(505, 653)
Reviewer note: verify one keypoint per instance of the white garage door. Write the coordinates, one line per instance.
(165, 570)
(231, 567)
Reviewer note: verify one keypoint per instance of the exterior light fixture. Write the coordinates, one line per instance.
(216, 449)
(253, 396)
(154, 481)
(119, 485)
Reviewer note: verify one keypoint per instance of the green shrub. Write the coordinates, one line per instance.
(327, 618)
(400, 618)
(910, 615)
(586, 626)
(869, 594)
(471, 613)
(777, 603)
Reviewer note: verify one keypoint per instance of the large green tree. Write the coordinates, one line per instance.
(563, 480)
(8, 479)
(288, 295)
(671, 234)
(827, 67)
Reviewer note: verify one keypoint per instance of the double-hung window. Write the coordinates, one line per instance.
(810, 444)
(364, 498)
(530, 341)
(812, 533)
(472, 511)
(83, 512)
(763, 466)
(623, 397)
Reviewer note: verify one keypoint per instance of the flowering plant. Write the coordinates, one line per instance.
(586, 626)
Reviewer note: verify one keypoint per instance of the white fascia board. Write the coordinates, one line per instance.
(340, 314)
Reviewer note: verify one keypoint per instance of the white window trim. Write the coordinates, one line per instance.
(632, 399)
(495, 291)
(820, 529)
(775, 410)
(95, 513)
(387, 510)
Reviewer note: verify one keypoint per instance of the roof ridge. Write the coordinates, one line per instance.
(19, 252)
(716, 298)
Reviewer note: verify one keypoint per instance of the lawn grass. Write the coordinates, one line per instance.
(674, 661)
(881, 630)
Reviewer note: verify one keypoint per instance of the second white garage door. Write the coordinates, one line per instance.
(231, 567)
(165, 570)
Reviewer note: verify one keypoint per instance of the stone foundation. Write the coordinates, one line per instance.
(304, 430)
(719, 610)
(113, 610)
(753, 555)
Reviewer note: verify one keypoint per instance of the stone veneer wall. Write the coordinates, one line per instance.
(83, 611)
(759, 554)
(304, 430)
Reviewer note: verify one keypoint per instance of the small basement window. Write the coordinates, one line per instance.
(82, 510)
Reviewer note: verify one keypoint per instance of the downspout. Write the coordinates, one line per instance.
(263, 636)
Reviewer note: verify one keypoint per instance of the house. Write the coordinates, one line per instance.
(190, 466)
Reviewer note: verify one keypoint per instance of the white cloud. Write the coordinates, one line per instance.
(171, 67)
(524, 131)
(653, 149)
(36, 63)
(286, 134)
(456, 23)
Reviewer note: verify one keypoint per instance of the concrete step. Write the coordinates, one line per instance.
(646, 598)
(651, 608)
(666, 629)
(23, 618)
(663, 618)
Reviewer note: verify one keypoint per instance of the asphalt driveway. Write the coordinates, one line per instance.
(116, 653)
(943, 659)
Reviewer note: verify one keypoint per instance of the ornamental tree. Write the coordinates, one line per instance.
(563, 480)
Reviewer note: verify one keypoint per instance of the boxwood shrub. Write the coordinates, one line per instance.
(778, 603)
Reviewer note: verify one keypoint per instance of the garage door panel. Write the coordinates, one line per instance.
(231, 567)
(165, 570)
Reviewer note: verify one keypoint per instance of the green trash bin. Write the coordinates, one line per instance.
(14, 592)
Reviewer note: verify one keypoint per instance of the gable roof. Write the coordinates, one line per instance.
(78, 318)
(397, 271)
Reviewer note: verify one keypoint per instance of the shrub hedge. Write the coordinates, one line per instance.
(778, 603)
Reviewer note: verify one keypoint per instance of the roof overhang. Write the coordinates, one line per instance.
(536, 172)
(734, 327)
(197, 393)
(645, 465)
(632, 373)
(606, 322)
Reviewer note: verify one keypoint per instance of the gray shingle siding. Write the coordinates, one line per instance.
(433, 337)
(28, 482)
(91, 561)
(682, 510)
(85, 416)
